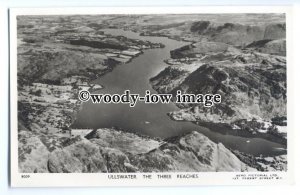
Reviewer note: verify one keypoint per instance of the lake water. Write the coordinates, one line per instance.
(152, 119)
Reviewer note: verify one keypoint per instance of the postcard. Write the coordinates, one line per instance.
(150, 96)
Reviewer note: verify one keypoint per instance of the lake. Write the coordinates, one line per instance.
(152, 119)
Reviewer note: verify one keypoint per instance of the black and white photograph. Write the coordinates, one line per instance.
(131, 93)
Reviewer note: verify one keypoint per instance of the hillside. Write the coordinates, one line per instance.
(249, 75)
(96, 153)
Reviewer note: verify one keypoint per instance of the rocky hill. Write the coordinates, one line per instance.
(269, 46)
(98, 152)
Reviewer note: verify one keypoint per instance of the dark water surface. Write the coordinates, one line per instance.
(152, 119)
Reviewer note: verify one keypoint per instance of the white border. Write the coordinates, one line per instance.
(100, 179)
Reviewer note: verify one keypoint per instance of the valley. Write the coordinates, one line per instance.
(244, 63)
